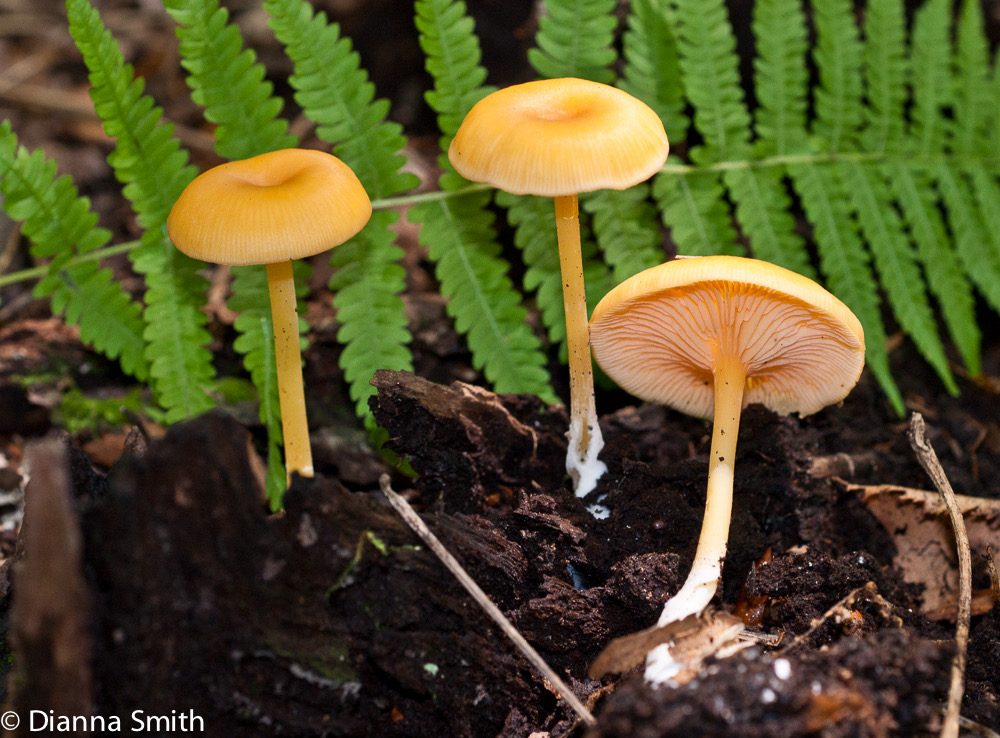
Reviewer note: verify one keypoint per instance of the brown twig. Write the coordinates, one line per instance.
(929, 461)
(482, 599)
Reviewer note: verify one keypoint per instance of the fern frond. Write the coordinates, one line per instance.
(575, 39)
(895, 259)
(458, 232)
(913, 185)
(335, 92)
(972, 89)
(711, 77)
(885, 74)
(969, 234)
(368, 281)
(652, 64)
(780, 76)
(913, 189)
(148, 160)
(460, 240)
(711, 80)
(60, 224)
(760, 196)
(627, 230)
(838, 56)
(845, 264)
(712, 84)
(227, 81)
(986, 192)
(181, 363)
(994, 94)
(931, 76)
(447, 36)
(763, 209)
(693, 207)
(895, 262)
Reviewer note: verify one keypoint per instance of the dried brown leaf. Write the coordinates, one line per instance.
(925, 543)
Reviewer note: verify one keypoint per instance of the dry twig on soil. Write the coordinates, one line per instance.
(929, 461)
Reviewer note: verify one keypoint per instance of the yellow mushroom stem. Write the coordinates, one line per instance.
(703, 580)
(288, 357)
(585, 440)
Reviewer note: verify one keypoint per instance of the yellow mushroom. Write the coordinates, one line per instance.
(558, 138)
(709, 335)
(270, 209)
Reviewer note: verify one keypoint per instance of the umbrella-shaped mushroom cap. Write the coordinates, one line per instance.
(559, 137)
(286, 204)
(660, 333)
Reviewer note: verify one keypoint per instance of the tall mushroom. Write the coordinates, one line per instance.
(558, 138)
(708, 335)
(270, 209)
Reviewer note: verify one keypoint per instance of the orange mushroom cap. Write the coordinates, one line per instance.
(659, 334)
(286, 204)
(559, 137)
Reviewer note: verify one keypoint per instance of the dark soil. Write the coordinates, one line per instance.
(331, 619)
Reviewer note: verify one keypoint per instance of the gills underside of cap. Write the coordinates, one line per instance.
(658, 335)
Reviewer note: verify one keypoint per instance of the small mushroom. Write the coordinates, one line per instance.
(708, 335)
(270, 209)
(557, 138)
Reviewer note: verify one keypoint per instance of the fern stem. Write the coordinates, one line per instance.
(585, 440)
(401, 201)
(25, 275)
(288, 358)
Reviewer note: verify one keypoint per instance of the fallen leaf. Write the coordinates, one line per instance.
(918, 522)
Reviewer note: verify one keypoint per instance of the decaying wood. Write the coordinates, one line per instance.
(49, 620)
(503, 446)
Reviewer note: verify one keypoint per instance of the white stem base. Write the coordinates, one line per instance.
(661, 666)
(694, 596)
(582, 465)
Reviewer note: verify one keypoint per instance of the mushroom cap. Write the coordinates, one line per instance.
(659, 334)
(286, 204)
(559, 137)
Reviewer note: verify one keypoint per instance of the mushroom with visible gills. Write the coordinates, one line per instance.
(270, 209)
(558, 138)
(709, 335)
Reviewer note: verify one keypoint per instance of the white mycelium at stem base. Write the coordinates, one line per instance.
(585, 440)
